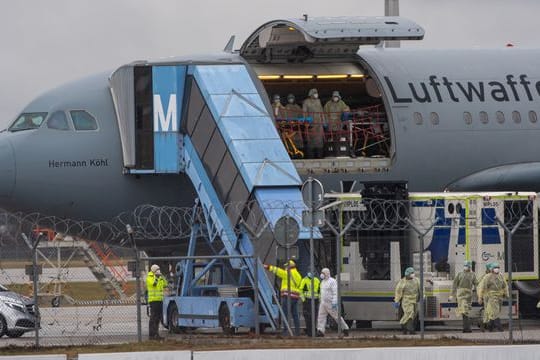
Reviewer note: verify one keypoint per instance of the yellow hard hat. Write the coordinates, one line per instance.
(290, 263)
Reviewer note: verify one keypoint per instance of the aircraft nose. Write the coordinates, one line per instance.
(7, 169)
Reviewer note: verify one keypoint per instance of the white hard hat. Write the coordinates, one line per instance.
(154, 268)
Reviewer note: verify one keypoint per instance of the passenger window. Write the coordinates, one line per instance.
(516, 116)
(418, 118)
(484, 119)
(58, 121)
(83, 121)
(500, 117)
(28, 121)
(434, 118)
(467, 117)
(532, 117)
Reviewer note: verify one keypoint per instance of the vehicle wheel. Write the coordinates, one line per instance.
(225, 320)
(55, 302)
(172, 319)
(15, 333)
(3, 326)
(262, 327)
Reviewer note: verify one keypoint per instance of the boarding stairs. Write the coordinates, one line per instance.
(112, 278)
(230, 149)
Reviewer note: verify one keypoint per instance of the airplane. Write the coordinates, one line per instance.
(464, 120)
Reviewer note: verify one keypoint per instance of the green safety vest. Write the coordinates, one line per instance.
(155, 286)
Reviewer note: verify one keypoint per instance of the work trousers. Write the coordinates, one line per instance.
(294, 313)
(325, 309)
(306, 310)
(156, 312)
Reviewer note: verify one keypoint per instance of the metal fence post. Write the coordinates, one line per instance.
(421, 236)
(509, 234)
(312, 257)
(339, 234)
(256, 295)
(35, 285)
(129, 230)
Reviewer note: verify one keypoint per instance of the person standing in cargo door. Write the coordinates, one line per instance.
(407, 296)
(293, 112)
(462, 289)
(290, 291)
(314, 134)
(155, 285)
(495, 288)
(334, 110)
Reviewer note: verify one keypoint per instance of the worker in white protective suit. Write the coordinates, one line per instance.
(328, 304)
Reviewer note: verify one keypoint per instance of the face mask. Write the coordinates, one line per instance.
(335, 99)
(322, 277)
(466, 268)
(411, 276)
(291, 101)
(496, 271)
(315, 96)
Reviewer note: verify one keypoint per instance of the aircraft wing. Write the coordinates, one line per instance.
(512, 177)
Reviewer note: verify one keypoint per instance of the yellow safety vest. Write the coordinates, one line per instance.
(296, 278)
(305, 287)
(155, 286)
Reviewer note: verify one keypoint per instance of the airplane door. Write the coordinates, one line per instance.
(158, 94)
(144, 136)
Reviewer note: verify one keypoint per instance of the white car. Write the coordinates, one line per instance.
(17, 313)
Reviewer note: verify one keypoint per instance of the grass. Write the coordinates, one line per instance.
(82, 290)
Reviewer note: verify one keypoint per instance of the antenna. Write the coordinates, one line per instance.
(229, 47)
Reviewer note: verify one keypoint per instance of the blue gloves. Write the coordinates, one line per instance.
(334, 306)
(395, 305)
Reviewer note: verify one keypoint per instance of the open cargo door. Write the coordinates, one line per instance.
(302, 39)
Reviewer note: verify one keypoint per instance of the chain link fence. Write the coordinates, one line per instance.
(87, 295)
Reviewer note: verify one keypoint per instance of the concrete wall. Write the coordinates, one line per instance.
(34, 357)
(154, 355)
(521, 352)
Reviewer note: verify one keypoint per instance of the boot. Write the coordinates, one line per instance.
(466, 324)
(498, 325)
(404, 329)
(410, 327)
(490, 325)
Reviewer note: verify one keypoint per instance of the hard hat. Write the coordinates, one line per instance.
(154, 268)
(290, 263)
(336, 93)
(312, 92)
(409, 271)
(467, 263)
(276, 97)
(290, 96)
(310, 275)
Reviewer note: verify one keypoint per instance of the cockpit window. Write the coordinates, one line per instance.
(58, 121)
(82, 120)
(28, 121)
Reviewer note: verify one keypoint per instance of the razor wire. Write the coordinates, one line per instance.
(166, 222)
